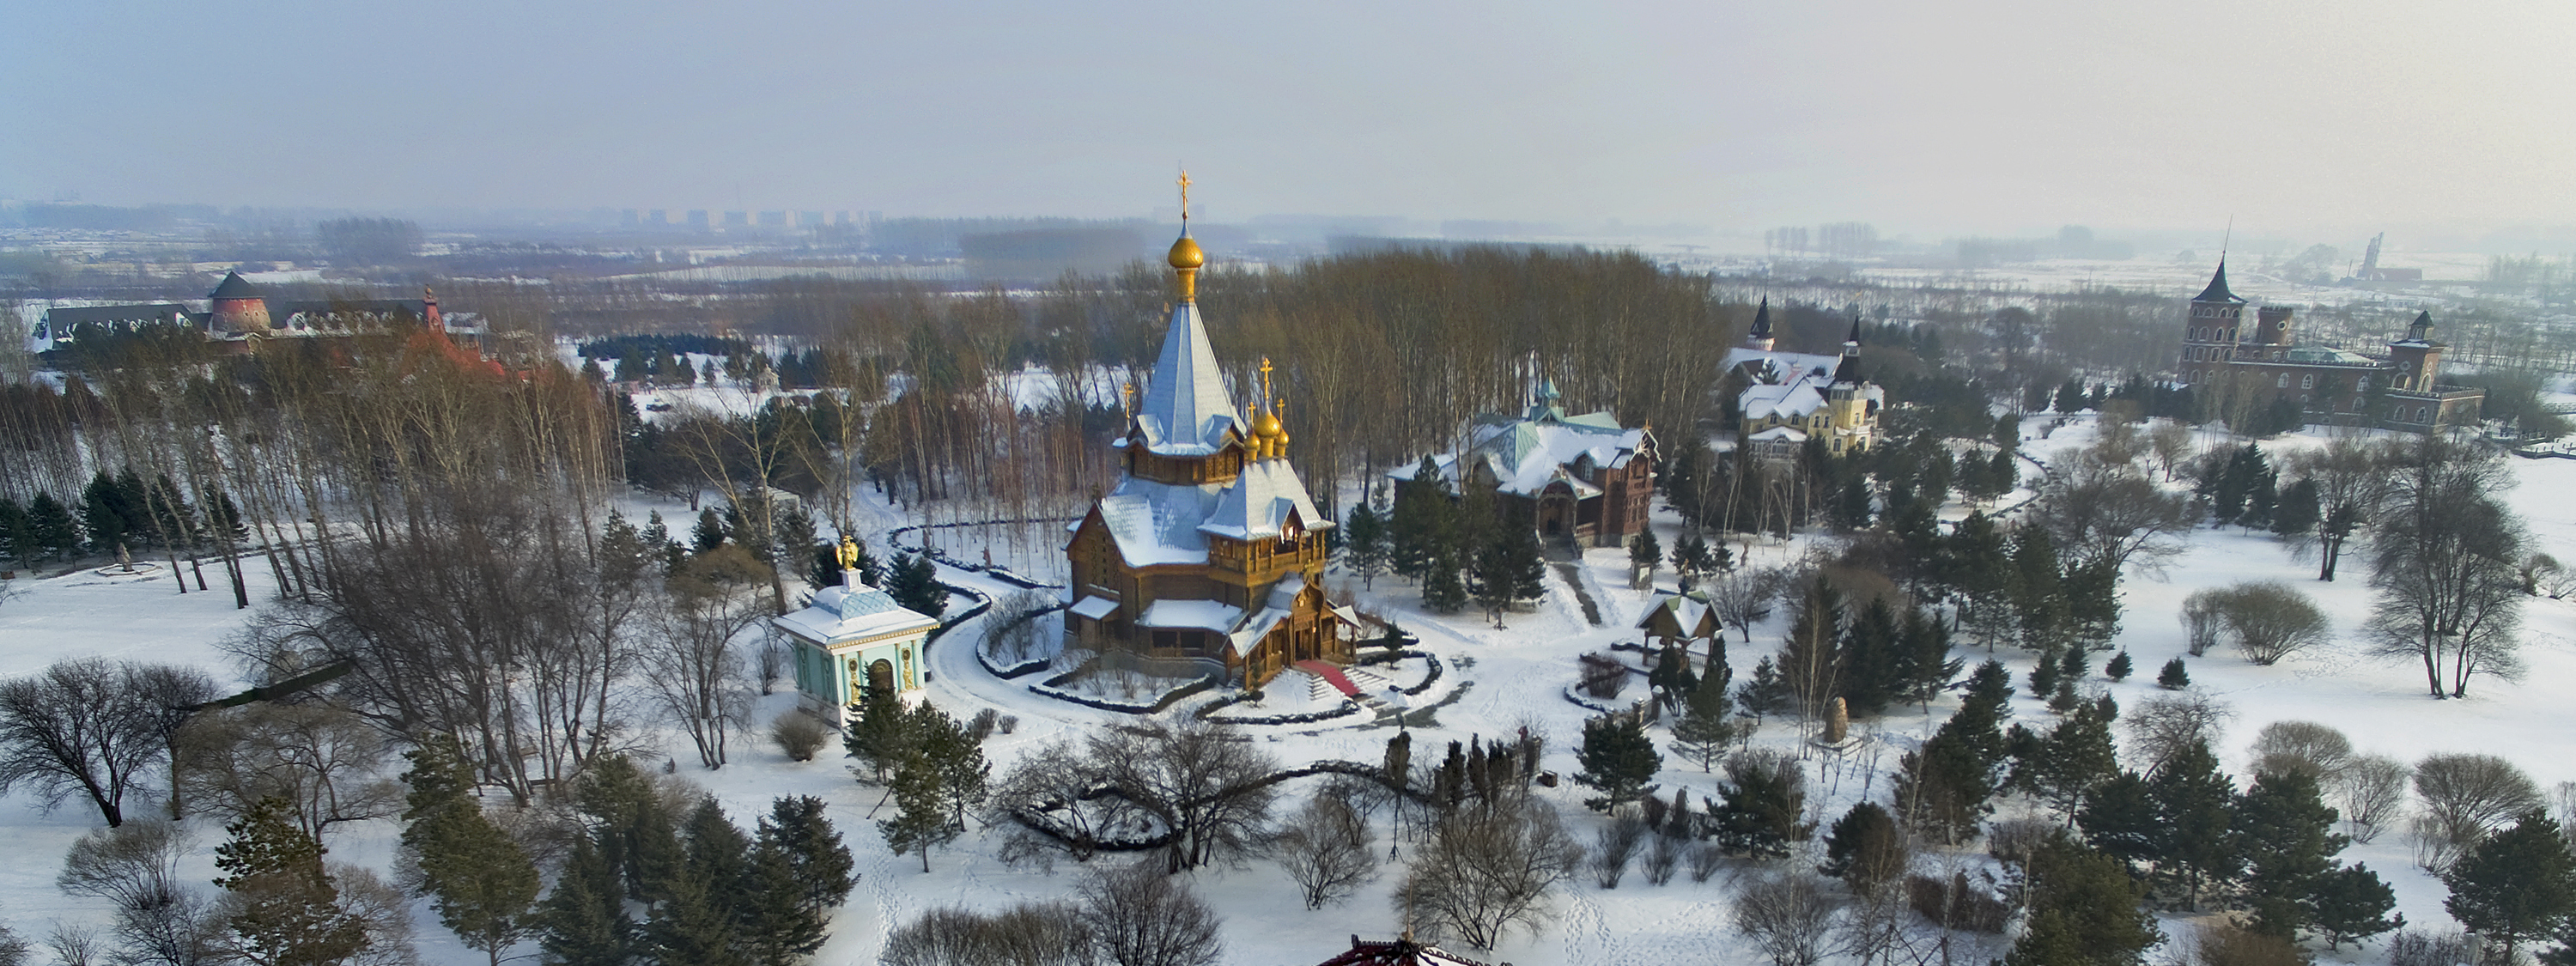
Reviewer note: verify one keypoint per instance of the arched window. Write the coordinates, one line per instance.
(2284, 383)
(2308, 381)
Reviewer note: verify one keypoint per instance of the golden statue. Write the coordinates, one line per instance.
(848, 553)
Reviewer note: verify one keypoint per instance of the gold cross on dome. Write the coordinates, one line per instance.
(1185, 195)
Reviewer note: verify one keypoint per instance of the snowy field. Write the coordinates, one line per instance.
(1497, 680)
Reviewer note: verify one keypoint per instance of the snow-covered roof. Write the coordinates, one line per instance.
(1205, 615)
(1782, 433)
(1778, 367)
(1261, 502)
(1185, 410)
(1398, 952)
(1791, 401)
(1094, 608)
(1528, 455)
(1687, 613)
(854, 613)
(1165, 523)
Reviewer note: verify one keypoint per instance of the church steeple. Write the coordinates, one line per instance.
(1185, 410)
(2217, 290)
(1849, 369)
(1760, 338)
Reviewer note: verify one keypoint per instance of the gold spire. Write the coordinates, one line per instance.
(1186, 256)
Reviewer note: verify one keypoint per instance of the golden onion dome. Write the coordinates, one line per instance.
(1266, 426)
(1186, 254)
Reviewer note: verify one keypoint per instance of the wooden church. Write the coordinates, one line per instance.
(1209, 549)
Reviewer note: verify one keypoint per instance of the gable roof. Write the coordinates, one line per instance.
(1186, 410)
(1526, 456)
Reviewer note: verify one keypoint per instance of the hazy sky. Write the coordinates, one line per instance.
(1993, 115)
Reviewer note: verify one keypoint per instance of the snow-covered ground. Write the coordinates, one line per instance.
(1497, 680)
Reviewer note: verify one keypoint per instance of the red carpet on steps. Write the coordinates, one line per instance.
(1331, 675)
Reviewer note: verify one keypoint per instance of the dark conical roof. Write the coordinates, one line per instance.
(236, 287)
(1762, 319)
(2217, 290)
(1851, 342)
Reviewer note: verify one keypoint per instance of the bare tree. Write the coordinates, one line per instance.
(2468, 795)
(1613, 845)
(2115, 513)
(1486, 867)
(135, 867)
(2443, 561)
(1743, 597)
(2372, 791)
(694, 666)
(2162, 726)
(2169, 443)
(1029, 934)
(2319, 750)
(92, 727)
(2201, 620)
(1139, 916)
(323, 760)
(1199, 780)
(2270, 621)
(1327, 848)
(1788, 914)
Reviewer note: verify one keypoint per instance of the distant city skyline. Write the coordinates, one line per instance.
(1992, 116)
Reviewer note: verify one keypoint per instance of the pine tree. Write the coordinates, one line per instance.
(1422, 524)
(1671, 678)
(481, 884)
(2351, 905)
(2289, 841)
(777, 926)
(879, 736)
(913, 582)
(1925, 667)
(1442, 591)
(1760, 808)
(583, 922)
(921, 811)
(1811, 657)
(17, 533)
(101, 515)
(2092, 591)
(1618, 760)
(694, 924)
(2084, 910)
(1766, 693)
(2294, 514)
(1364, 548)
(1864, 848)
(636, 836)
(2071, 760)
(286, 909)
(2195, 811)
(2119, 667)
(1873, 666)
(1943, 790)
(2516, 885)
(2119, 818)
(2044, 673)
(2173, 677)
(710, 531)
(1706, 726)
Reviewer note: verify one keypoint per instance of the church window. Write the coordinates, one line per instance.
(2308, 381)
(2284, 383)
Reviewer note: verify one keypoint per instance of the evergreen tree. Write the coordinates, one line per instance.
(1873, 660)
(1618, 760)
(1671, 678)
(102, 516)
(1864, 848)
(1760, 808)
(798, 834)
(2092, 591)
(2289, 841)
(878, 735)
(2516, 885)
(2259, 500)
(1364, 548)
(1423, 522)
(2195, 810)
(17, 533)
(2295, 513)
(2119, 818)
(2074, 757)
(2070, 396)
(1811, 657)
(921, 812)
(913, 582)
(1442, 591)
(1851, 509)
(1645, 552)
(2351, 905)
(1924, 667)
(1766, 693)
(2007, 434)
(637, 839)
(2084, 911)
(133, 500)
(656, 538)
(1508, 567)
(1706, 725)
(2044, 672)
(2119, 667)
(286, 909)
(583, 922)
(709, 533)
(481, 884)
(2173, 677)
(1946, 788)
(693, 923)
(2036, 585)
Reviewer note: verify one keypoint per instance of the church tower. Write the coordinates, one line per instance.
(1210, 549)
(2210, 335)
(1844, 394)
(1759, 339)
